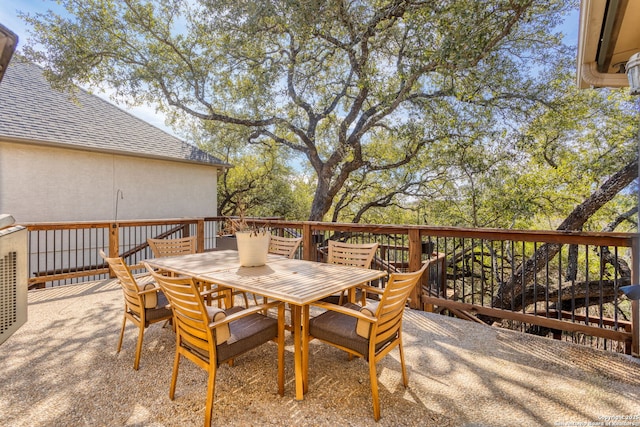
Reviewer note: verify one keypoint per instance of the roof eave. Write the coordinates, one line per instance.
(606, 38)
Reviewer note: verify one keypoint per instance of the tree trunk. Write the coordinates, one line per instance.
(516, 285)
(577, 292)
(319, 205)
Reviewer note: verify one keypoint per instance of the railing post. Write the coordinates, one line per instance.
(114, 243)
(415, 260)
(200, 235)
(635, 304)
(308, 247)
(114, 240)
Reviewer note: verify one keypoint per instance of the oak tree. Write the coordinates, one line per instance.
(338, 81)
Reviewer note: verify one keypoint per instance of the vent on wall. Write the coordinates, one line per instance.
(13, 280)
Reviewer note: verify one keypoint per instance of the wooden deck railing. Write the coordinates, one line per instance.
(561, 284)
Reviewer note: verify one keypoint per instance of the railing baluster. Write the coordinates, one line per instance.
(559, 274)
(524, 283)
(535, 280)
(586, 279)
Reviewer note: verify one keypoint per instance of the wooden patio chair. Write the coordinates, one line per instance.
(285, 246)
(181, 246)
(171, 247)
(351, 254)
(144, 304)
(372, 331)
(210, 336)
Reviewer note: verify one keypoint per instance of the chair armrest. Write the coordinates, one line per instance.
(156, 288)
(209, 291)
(345, 310)
(212, 297)
(213, 291)
(160, 271)
(371, 289)
(245, 312)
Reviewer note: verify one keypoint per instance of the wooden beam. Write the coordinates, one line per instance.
(530, 318)
(64, 276)
(415, 263)
(308, 247)
(200, 236)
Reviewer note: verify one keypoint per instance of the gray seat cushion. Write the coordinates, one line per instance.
(247, 333)
(340, 329)
(161, 311)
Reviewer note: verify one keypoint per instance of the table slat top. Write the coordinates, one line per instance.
(294, 281)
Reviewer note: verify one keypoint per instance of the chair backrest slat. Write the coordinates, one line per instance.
(352, 254)
(285, 246)
(171, 247)
(195, 337)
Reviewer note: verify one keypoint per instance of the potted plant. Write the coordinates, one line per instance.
(252, 240)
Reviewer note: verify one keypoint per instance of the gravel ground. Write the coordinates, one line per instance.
(61, 369)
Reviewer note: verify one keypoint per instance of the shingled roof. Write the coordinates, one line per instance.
(34, 112)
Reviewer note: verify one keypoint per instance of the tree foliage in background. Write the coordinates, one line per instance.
(259, 183)
(533, 172)
(388, 102)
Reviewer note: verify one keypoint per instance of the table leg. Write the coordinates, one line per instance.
(351, 295)
(305, 348)
(228, 299)
(296, 316)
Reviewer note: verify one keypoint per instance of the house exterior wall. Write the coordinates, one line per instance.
(51, 184)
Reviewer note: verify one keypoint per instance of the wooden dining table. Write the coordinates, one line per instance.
(296, 282)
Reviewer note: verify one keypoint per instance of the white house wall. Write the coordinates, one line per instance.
(48, 184)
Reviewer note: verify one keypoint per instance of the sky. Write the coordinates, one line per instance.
(9, 18)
